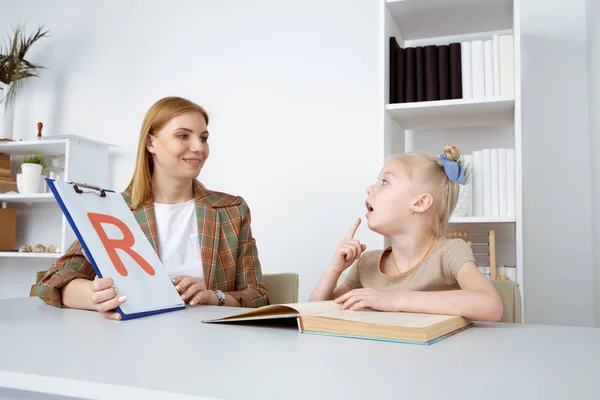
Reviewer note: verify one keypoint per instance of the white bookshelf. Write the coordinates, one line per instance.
(471, 124)
(39, 218)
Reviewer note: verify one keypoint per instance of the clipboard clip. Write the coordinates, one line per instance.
(76, 187)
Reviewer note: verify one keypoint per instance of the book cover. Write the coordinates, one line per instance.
(411, 75)
(496, 62)
(420, 72)
(494, 183)
(487, 183)
(477, 69)
(488, 63)
(506, 65)
(400, 75)
(444, 72)
(455, 71)
(466, 74)
(502, 181)
(432, 87)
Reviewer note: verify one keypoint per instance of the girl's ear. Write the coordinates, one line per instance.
(422, 203)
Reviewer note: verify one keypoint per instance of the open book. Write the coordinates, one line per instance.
(326, 318)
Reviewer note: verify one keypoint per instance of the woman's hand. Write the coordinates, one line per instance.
(379, 300)
(348, 250)
(193, 291)
(104, 298)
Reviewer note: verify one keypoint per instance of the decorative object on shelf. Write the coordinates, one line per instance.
(39, 126)
(489, 270)
(31, 170)
(38, 248)
(25, 249)
(55, 170)
(14, 69)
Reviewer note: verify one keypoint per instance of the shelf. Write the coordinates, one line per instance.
(483, 220)
(453, 113)
(27, 198)
(419, 19)
(16, 254)
(49, 145)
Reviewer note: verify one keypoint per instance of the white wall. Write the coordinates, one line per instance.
(593, 53)
(557, 229)
(291, 89)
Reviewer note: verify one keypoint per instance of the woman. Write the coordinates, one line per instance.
(203, 238)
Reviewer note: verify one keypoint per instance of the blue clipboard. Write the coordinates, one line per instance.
(77, 187)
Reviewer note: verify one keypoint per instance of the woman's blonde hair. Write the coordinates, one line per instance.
(427, 171)
(156, 118)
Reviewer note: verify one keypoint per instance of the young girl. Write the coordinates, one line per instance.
(422, 271)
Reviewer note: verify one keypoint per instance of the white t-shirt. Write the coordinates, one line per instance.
(178, 244)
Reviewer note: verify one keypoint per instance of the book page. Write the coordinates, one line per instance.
(329, 309)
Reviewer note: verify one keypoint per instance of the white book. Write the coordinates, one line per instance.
(494, 185)
(465, 62)
(502, 181)
(477, 174)
(511, 200)
(487, 180)
(468, 187)
(477, 69)
(506, 66)
(488, 68)
(496, 61)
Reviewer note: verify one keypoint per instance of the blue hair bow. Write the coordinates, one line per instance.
(454, 171)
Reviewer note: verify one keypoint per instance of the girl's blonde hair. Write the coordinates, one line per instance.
(429, 174)
(156, 118)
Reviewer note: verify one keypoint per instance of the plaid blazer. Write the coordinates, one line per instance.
(229, 254)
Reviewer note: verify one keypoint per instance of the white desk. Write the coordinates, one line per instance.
(78, 353)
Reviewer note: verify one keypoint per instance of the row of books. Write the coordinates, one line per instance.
(469, 69)
(492, 179)
(488, 67)
(6, 182)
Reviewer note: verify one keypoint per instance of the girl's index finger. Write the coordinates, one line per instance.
(352, 231)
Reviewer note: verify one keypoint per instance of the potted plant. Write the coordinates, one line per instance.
(31, 172)
(14, 69)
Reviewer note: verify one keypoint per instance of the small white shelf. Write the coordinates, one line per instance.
(16, 254)
(419, 19)
(27, 198)
(453, 113)
(49, 145)
(482, 220)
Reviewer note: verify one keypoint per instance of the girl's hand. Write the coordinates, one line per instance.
(348, 250)
(379, 300)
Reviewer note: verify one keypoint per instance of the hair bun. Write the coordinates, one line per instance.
(452, 152)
